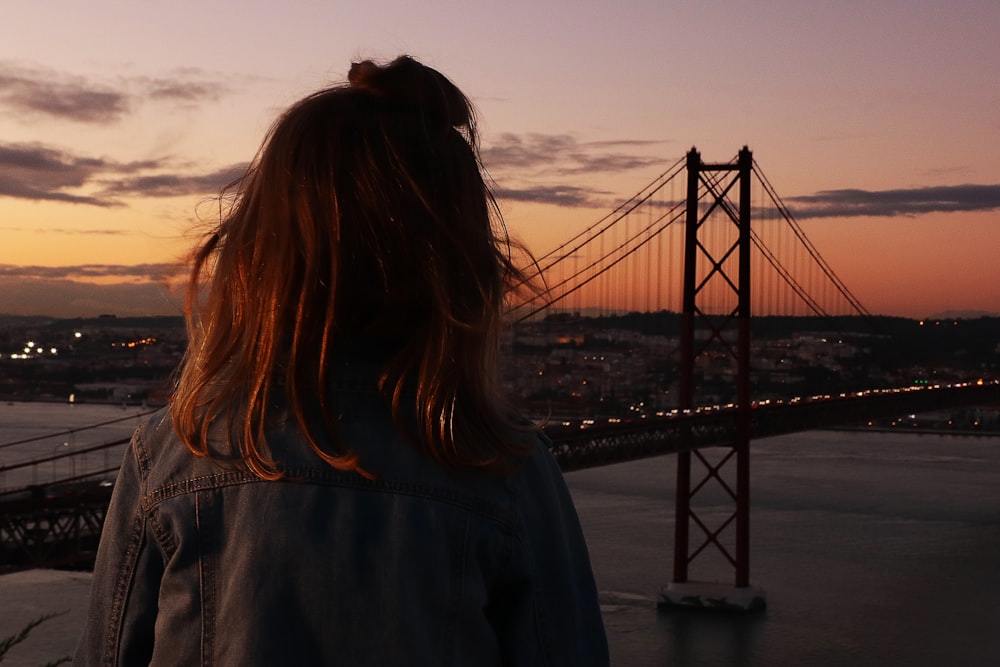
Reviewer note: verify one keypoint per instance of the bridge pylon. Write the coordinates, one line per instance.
(715, 337)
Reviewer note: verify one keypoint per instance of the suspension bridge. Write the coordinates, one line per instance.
(712, 242)
(634, 258)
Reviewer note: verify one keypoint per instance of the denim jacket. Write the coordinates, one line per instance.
(201, 563)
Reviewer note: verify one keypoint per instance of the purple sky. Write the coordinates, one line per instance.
(877, 122)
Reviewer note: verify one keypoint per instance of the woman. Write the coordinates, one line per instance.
(336, 480)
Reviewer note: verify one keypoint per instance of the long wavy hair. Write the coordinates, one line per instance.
(364, 215)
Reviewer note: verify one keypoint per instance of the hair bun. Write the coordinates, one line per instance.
(411, 85)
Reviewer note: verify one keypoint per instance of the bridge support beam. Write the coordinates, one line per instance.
(715, 297)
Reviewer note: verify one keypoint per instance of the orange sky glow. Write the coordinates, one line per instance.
(877, 124)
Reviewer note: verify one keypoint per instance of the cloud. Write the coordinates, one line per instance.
(887, 203)
(37, 90)
(174, 185)
(65, 230)
(522, 161)
(182, 90)
(557, 195)
(34, 171)
(69, 298)
(158, 272)
(33, 90)
(44, 173)
(564, 154)
(88, 290)
(39, 172)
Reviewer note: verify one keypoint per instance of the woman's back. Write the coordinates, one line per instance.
(415, 567)
(337, 479)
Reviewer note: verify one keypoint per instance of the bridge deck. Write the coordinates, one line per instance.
(59, 525)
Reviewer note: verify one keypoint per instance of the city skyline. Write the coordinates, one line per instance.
(877, 124)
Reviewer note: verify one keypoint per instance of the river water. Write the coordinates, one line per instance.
(35, 430)
(872, 548)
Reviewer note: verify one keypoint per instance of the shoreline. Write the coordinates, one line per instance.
(915, 430)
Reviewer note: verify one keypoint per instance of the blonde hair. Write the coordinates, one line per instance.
(365, 214)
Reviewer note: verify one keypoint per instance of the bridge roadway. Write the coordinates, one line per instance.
(59, 525)
(585, 445)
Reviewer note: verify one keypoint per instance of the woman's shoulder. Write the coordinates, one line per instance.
(165, 462)
(366, 428)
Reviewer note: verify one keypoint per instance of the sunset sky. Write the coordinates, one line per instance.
(877, 122)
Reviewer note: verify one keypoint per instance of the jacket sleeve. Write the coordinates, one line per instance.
(127, 573)
(548, 613)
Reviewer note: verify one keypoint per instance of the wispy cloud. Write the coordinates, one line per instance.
(173, 184)
(65, 230)
(86, 290)
(188, 85)
(564, 154)
(34, 171)
(901, 202)
(37, 90)
(33, 91)
(535, 167)
(557, 195)
(70, 298)
(40, 172)
(45, 173)
(151, 272)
